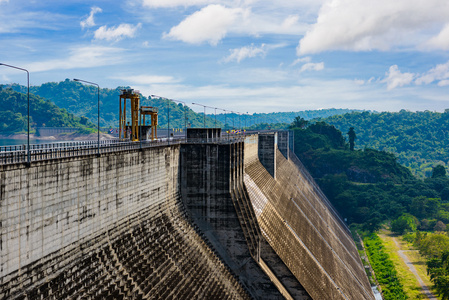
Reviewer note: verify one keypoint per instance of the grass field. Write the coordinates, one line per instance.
(411, 285)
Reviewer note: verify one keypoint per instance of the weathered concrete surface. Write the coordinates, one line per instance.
(267, 152)
(304, 233)
(283, 142)
(213, 192)
(108, 227)
(116, 226)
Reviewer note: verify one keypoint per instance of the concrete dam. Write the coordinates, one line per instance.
(209, 217)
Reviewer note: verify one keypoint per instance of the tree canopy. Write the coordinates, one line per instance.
(420, 140)
(369, 186)
(13, 116)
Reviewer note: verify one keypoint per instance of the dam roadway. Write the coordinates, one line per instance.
(206, 217)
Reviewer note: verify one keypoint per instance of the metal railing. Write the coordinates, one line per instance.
(41, 152)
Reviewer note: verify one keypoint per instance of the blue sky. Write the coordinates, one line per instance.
(243, 55)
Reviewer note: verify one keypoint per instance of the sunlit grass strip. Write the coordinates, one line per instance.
(384, 269)
(414, 291)
(411, 286)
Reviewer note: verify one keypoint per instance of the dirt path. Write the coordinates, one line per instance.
(410, 265)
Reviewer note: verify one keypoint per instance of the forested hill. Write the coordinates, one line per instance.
(14, 112)
(81, 100)
(281, 117)
(368, 186)
(420, 140)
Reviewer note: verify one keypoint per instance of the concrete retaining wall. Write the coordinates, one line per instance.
(103, 227)
(191, 221)
(304, 233)
(60, 203)
(211, 185)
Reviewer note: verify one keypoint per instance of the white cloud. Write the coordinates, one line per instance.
(89, 21)
(116, 33)
(440, 72)
(174, 3)
(240, 54)
(257, 16)
(209, 24)
(6, 1)
(374, 24)
(395, 78)
(82, 57)
(290, 21)
(312, 67)
(13, 20)
(308, 65)
(443, 83)
(441, 41)
(256, 23)
(302, 60)
(359, 81)
(147, 79)
(308, 94)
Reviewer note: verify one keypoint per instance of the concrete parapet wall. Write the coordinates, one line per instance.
(283, 142)
(267, 152)
(251, 148)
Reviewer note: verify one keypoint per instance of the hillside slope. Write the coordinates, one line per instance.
(14, 111)
(81, 100)
(420, 140)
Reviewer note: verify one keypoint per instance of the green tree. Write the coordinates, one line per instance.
(298, 122)
(438, 269)
(352, 137)
(433, 245)
(438, 171)
(440, 226)
(403, 224)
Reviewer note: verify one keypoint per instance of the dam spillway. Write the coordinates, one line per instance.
(203, 219)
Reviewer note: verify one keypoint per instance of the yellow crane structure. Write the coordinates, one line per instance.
(152, 112)
(137, 130)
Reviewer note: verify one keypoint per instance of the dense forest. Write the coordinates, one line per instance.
(369, 186)
(14, 113)
(81, 100)
(276, 119)
(420, 140)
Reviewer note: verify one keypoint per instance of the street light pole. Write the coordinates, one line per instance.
(185, 111)
(168, 121)
(28, 110)
(204, 116)
(98, 92)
